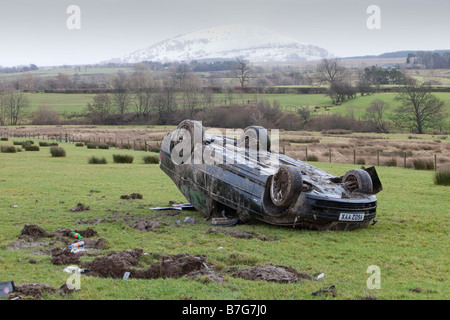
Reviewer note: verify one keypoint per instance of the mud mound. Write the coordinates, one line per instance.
(241, 234)
(132, 196)
(31, 291)
(115, 264)
(80, 207)
(99, 244)
(330, 290)
(34, 232)
(174, 266)
(146, 225)
(272, 273)
(63, 257)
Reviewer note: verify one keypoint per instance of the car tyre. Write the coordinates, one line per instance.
(286, 186)
(358, 180)
(260, 135)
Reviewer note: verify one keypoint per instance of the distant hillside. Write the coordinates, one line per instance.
(253, 43)
(396, 54)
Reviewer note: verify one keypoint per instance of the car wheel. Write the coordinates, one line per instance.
(188, 129)
(358, 180)
(286, 186)
(255, 137)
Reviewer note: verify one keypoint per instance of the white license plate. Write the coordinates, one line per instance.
(351, 216)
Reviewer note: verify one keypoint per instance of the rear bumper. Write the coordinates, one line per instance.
(329, 209)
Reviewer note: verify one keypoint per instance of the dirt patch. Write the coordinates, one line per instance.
(87, 233)
(31, 291)
(147, 225)
(115, 264)
(80, 207)
(64, 256)
(132, 196)
(272, 273)
(33, 232)
(330, 290)
(241, 234)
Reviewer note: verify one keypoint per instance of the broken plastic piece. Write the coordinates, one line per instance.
(6, 288)
(224, 222)
(320, 276)
(189, 220)
(76, 245)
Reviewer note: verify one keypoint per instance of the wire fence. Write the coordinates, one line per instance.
(356, 156)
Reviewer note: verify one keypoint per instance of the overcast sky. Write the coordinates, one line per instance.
(35, 31)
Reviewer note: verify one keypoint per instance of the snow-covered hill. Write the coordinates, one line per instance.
(253, 43)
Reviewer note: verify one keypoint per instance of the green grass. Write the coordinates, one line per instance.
(409, 243)
(76, 103)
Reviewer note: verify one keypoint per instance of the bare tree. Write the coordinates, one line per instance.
(191, 95)
(121, 95)
(305, 113)
(330, 70)
(13, 105)
(144, 88)
(243, 71)
(419, 109)
(376, 116)
(100, 109)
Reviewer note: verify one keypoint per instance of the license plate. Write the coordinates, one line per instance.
(351, 216)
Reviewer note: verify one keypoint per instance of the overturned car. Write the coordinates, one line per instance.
(242, 178)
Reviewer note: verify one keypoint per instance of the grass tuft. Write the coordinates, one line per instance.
(122, 158)
(57, 152)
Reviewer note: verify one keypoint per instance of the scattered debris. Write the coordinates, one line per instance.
(320, 276)
(166, 208)
(189, 220)
(330, 290)
(6, 288)
(224, 222)
(176, 206)
(80, 207)
(77, 245)
(272, 273)
(132, 196)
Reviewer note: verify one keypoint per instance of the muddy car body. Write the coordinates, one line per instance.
(252, 182)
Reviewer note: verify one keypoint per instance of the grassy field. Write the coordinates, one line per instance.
(409, 243)
(71, 103)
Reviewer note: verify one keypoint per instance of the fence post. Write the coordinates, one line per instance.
(354, 156)
(404, 160)
(378, 157)
(330, 155)
(435, 162)
(306, 154)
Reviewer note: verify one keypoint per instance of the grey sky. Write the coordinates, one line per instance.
(34, 31)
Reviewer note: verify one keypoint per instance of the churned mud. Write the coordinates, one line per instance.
(31, 291)
(80, 207)
(272, 273)
(147, 225)
(115, 264)
(132, 196)
(241, 234)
